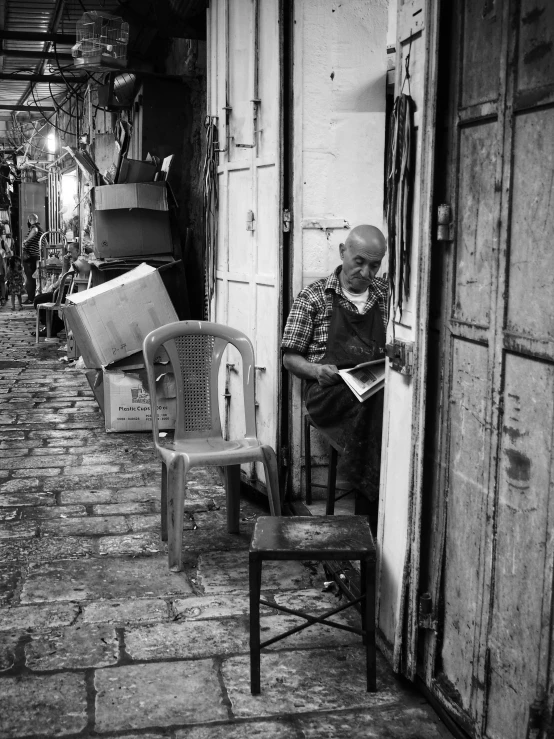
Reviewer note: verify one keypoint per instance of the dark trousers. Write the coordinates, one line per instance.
(29, 267)
(57, 323)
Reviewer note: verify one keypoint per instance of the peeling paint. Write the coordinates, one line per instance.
(532, 16)
(538, 52)
(520, 465)
(514, 433)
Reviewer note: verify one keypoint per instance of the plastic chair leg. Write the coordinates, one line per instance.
(232, 489)
(308, 459)
(49, 316)
(272, 480)
(176, 480)
(164, 503)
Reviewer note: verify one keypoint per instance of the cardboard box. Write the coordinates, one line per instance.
(127, 402)
(110, 321)
(131, 220)
(133, 170)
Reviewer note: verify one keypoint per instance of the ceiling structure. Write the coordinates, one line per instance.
(36, 65)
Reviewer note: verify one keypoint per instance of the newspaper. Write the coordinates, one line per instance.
(365, 379)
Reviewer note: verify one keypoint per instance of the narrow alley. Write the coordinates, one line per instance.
(97, 637)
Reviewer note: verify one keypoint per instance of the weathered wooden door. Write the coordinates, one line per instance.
(487, 543)
(244, 93)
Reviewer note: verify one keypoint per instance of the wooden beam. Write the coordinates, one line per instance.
(52, 78)
(58, 38)
(29, 108)
(18, 54)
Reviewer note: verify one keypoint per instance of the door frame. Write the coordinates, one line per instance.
(403, 652)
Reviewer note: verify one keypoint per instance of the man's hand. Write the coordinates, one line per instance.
(327, 375)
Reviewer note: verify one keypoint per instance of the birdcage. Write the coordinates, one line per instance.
(101, 40)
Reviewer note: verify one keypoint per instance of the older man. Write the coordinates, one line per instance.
(337, 322)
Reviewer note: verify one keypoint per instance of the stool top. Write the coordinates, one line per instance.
(313, 537)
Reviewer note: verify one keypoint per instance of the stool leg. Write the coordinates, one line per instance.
(308, 460)
(367, 572)
(232, 489)
(255, 576)
(331, 481)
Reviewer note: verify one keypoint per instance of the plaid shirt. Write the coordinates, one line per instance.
(308, 323)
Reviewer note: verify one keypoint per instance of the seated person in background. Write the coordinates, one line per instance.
(48, 297)
(338, 322)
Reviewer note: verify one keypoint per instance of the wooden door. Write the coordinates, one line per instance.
(244, 93)
(487, 545)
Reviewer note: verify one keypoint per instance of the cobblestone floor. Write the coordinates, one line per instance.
(98, 638)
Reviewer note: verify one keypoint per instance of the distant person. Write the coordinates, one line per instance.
(3, 271)
(15, 279)
(31, 253)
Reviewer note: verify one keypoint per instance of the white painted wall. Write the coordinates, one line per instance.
(340, 67)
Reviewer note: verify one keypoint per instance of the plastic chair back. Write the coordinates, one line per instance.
(195, 349)
(59, 292)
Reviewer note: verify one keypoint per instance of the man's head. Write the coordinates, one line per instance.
(32, 219)
(361, 254)
(73, 251)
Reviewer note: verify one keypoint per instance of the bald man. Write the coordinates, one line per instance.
(338, 322)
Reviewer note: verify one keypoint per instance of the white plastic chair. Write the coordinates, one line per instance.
(195, 349)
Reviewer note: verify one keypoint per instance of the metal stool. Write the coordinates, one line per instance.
(315, 538)
(334, 451)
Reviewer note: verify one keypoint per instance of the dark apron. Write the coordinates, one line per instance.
(355, 427)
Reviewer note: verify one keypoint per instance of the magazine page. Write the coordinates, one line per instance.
(365, 379)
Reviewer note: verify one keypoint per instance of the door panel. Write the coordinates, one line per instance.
(491, 384)
(481, 52)
(532, 225)
(536, 38)
(467, 499)
(521, 623)
(477, 228)
(245, 93)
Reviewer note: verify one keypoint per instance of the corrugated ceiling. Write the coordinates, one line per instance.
(38, 16)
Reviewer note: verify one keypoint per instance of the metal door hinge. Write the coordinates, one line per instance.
(401, 355)
(286, 220)
(250, 221)
(426, 619)
(445, 223)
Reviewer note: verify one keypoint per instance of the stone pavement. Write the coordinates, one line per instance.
(97, 638)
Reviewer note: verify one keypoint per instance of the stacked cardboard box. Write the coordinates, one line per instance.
(109, 323)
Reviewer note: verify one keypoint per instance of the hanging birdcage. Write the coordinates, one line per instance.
(101, 41)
